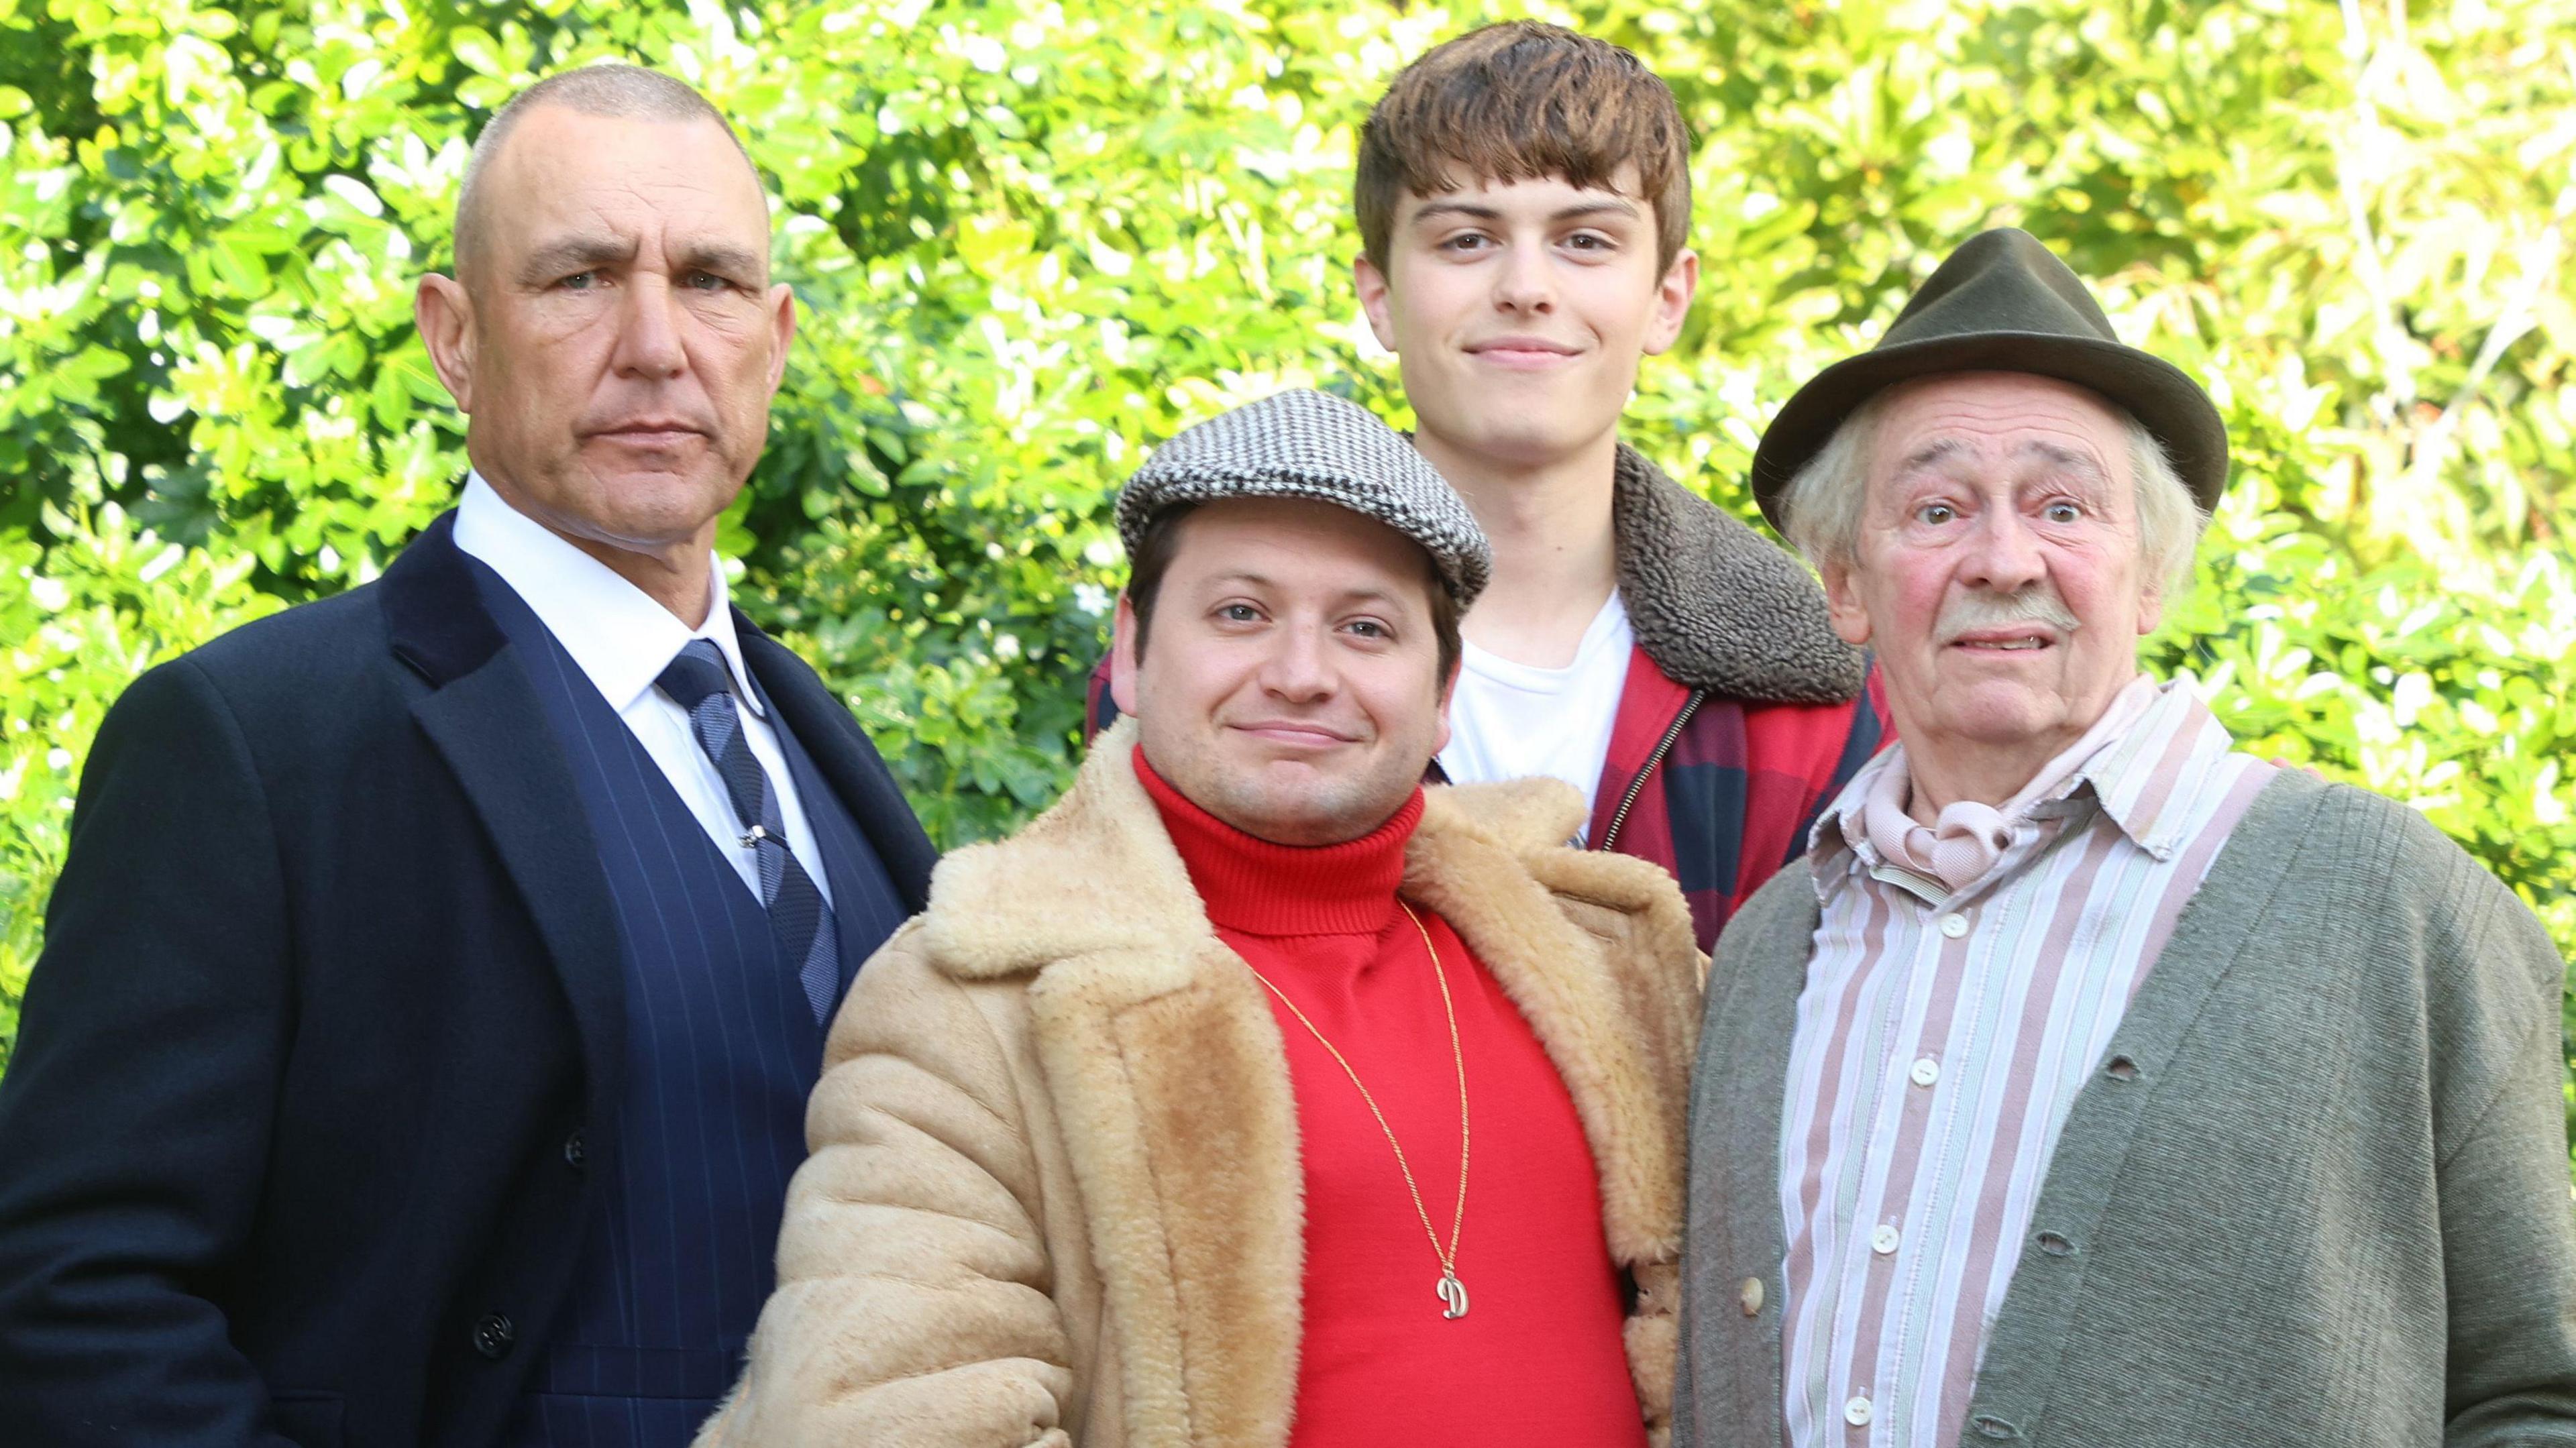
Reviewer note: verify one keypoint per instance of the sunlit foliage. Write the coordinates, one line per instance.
(1031, 239)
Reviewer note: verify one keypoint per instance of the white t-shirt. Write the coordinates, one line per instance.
(1511, 721)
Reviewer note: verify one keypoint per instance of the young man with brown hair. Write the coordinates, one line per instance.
(1523, 194)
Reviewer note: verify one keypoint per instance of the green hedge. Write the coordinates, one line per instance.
(1033, 238)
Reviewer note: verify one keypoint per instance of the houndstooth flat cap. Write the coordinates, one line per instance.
(1306, 444)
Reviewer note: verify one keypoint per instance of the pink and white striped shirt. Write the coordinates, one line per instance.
(1941, 1038)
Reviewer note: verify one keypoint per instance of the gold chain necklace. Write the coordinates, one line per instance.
(1453, 1293)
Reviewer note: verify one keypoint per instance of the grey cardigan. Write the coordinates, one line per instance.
(2316, 1194)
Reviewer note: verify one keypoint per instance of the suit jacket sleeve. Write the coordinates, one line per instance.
(2508, 1233)
(912, 1302)
(137, 1112)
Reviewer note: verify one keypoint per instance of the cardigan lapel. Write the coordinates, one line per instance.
(1732, 1382)
(2027, 1340)
(488, 724)
(1730, 1385)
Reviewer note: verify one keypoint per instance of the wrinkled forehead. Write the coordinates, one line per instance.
(677, 184)
(2000, 427)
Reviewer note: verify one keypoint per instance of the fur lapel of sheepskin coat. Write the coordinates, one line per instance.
(1718, 606)
(1171, 1081)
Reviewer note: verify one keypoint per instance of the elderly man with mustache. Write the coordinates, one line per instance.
(2089, 1081)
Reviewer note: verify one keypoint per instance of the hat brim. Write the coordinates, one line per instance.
(2160, 395)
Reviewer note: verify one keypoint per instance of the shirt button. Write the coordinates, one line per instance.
(1884, 1240)
(1751, 1297)
(1926, 1071)
(1954, 926)
(1856, 1412)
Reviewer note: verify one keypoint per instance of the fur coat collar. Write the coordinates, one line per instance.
(1718, 606)
(1170, 1087)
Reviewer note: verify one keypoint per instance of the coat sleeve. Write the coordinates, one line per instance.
(1872, 729)
(2508, 1231)
(139, 1105)
(913, 1297)
(1099, 710)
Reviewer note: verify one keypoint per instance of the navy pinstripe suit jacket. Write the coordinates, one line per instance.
(304, 1125)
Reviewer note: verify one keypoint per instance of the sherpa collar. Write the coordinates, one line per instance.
(1715, 604)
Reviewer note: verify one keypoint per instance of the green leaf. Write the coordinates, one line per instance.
(475, 47)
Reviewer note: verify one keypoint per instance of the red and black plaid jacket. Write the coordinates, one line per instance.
(1743, 715)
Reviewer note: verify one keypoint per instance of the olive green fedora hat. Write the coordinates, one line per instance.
(2003, 302)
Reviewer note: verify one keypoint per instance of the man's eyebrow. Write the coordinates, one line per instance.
(1608, 205)
(1939, 450)
(1469, 209)
(1368, 593)
(722, 258)
(566, 255)
(2083, 465)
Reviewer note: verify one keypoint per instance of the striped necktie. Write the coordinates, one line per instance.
(698, 681)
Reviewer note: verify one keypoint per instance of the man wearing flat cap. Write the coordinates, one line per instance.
(2090, 1082)
(1255, 1094)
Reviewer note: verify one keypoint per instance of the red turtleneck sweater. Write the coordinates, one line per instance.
(1538, 1359)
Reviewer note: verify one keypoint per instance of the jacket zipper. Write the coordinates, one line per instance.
(1664, 746)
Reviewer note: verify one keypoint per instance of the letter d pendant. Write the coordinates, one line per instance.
(1454, 1293)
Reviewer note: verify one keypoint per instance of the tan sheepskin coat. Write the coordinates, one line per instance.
(1054, 1196)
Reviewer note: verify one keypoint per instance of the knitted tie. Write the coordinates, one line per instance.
(698, 681)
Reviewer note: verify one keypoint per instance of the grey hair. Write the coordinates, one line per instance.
(1821, 508)
(607, 90)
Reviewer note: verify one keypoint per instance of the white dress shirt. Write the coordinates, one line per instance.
(623, 640)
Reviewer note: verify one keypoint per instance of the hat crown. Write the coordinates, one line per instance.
(1313, 446)
(2002, 302)
(2004, 280)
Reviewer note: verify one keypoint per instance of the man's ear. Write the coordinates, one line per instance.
(445, 317)
(1672, 302)
(1375, 300)
(2151, 609)
(782, 322)
(1122, 656)
(1843, 605)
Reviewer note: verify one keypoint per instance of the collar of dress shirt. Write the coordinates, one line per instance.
(2144, 777)
(617, 633)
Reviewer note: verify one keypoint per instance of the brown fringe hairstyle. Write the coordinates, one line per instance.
(1524, 101)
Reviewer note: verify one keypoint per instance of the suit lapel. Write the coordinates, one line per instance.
(486, 721)
(846, 760)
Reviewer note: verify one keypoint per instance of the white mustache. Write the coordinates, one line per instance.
(1979, 609)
